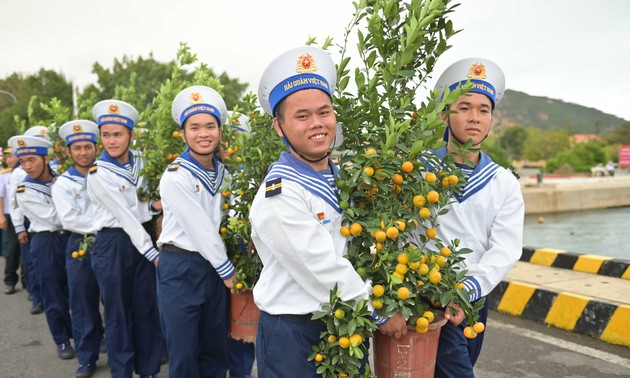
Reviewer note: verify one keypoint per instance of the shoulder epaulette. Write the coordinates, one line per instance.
(512, 170)
(273, 187)
(93, 169)
(20, 189)
(6, 170)
(173, 167)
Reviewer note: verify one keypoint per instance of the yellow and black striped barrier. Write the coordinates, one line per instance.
(559, 258)
(569, 311)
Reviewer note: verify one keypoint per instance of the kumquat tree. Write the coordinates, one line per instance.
(392, 189)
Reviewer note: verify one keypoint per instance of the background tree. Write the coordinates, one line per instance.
(493, 147)
(620, 135)
(512, 140)
(581, 157)
(544, 144)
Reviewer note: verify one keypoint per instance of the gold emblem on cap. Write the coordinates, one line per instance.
(477, 71)
(77, 128)
(21, 143)
(195, 98)
(113, 109)
(43, 131)
(306, 64)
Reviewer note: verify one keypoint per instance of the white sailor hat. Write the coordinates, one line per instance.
(79, 131)
(38, 131)
(486, 76)
(238, 122)
(198, 99)
(115, 112)
(300, 68)
(29, 145)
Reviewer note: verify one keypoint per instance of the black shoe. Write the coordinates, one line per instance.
(65, 351)
(9, 289)
(37, 309)
(86, 371)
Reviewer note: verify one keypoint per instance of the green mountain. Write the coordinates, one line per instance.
(518, 108)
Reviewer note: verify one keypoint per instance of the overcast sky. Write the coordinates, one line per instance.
(575, 51)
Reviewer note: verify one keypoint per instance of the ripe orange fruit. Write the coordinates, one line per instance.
(445, 251)
(435, 277)
(176, 134)
(425, 213)
(403, 258)
(344, 342)
(401, 269)
(392, 232)
(397, 189)
(469, 332)
(226, 206)
(445, 182)
(397, 179)
(430, 178)
(396, 274)
(380, 236)
(223, 230)
(332, 339)
(370, 152)
(433, 196)
(422, 322)
(239, 286)
(319, 357)
(431, 233)
(356, 229)
(356, 339)
(230, 150)
(407, 166)
(460, 285)
(403, 293)
(379, 246)
(414, 265)
(429, 316)
(377, 304)
(453, 180)
(225, 194)
(422, 330)
(345, 231)
(75, 255)
(400, 225)
(440, 260)
(479, 327)
(82, 252)
(378, 291)
(369, 171)
(423, 269)
(418, 201)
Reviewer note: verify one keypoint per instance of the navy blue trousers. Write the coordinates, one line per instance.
(456, 354)
(283, 346)
(87, 325)
(193, 311)
(30, 274)
(241, 357)
(127, 282)
(48, 254)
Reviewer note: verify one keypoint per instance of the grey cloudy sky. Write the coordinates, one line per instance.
(575, 51)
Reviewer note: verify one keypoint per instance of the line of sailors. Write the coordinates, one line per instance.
(97, 199)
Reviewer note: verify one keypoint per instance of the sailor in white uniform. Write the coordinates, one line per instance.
(74, 208)
(296, 218)
(123, 254)
(488, 215)
(48, 239)
(194, 273)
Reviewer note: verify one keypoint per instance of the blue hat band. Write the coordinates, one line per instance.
(240, 129)
(479, 86)
(31, 151)
(294, 84)
(116, 119)
(199, 108)
(80, 137)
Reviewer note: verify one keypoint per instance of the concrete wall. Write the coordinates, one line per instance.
(576, 194)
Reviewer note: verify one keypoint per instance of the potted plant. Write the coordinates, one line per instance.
(392, 189)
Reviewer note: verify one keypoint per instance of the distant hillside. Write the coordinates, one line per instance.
(544, 113)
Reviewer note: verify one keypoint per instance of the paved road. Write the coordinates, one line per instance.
(514, 348)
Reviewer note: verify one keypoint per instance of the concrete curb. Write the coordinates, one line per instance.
(573, 312)
(559, 258)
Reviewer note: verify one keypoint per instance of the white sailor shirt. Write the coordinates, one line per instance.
(112, 188)
(17, 216)
(295, 221)
(35, 200)
(74, 208)
(192, 205)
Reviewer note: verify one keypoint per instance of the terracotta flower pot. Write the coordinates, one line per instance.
(413, 355)
(243, 316)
